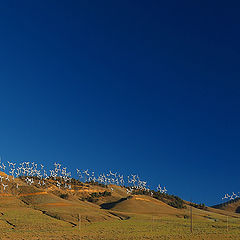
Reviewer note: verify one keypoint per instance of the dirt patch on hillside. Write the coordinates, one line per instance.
(32, 194)
(56, 204)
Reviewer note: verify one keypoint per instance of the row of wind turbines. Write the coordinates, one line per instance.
(33, 173)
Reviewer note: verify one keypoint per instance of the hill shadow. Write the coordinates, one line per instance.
(238, 209)
(110, 205)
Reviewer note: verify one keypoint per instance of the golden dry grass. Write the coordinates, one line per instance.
(35, 213)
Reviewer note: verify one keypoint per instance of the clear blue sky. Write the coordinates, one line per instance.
(147, 87)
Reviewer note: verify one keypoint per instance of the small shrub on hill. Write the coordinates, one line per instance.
(94, 197)
(199, 206)
(64, 196)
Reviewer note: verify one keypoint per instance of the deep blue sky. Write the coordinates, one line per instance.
(143, 87)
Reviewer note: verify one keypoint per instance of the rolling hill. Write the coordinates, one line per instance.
(24, 207)
(230, 206)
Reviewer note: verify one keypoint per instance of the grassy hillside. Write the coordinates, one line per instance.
(95, 211)
(231, 206)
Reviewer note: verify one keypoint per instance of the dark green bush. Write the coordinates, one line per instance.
(64, 196)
